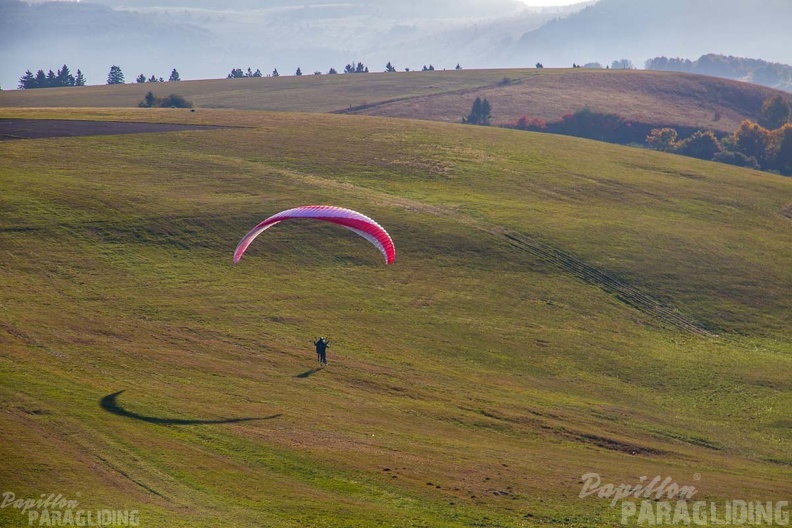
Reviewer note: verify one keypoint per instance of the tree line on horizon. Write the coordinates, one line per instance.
(174, 76)
(755, 70)
(64, 78)
(352, 67)
(761, 72)
(116, 76)
(51, 79)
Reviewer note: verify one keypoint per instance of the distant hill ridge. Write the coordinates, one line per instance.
(642, 29)
(757, 71)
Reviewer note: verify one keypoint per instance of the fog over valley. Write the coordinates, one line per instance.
(204, 39)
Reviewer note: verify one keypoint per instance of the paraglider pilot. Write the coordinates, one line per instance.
(321, 350)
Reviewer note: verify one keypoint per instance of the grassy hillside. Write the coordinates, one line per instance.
(306, 93)
(471, 383)
(663, 98)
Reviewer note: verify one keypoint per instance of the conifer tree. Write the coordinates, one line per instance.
(479, 113)
(115, 76)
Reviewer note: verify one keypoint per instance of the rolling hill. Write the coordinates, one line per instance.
(652, 97)
(617, 311)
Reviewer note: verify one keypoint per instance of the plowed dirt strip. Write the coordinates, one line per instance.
(50, 128)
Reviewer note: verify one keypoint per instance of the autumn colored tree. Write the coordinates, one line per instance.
(601, 126)
(782, 153)
(702, 144)
(776, 112)
(531, 123)
(752, 140)
(663, 139)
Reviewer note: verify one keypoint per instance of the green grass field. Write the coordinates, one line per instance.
(471, 383)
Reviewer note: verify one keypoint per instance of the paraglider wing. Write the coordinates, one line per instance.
(352, 220)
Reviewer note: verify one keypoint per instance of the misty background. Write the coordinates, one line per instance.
(205, 39)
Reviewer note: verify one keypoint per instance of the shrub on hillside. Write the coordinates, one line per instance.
(169, 101)
(736, 158)
(536, 124)
(596, 125)
(776, 112)
(781, 155)
(702, 144)
(752, 140)
(663, 139)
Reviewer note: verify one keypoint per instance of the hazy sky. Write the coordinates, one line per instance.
(544, 3)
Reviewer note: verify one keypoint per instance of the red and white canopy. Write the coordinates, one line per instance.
(352, 220)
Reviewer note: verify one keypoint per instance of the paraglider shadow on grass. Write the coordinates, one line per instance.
(109, 404)
(308, 373)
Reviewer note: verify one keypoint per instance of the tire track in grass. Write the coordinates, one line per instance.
(625, 292)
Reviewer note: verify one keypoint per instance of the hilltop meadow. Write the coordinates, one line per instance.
(654, 98)
(558, 307)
